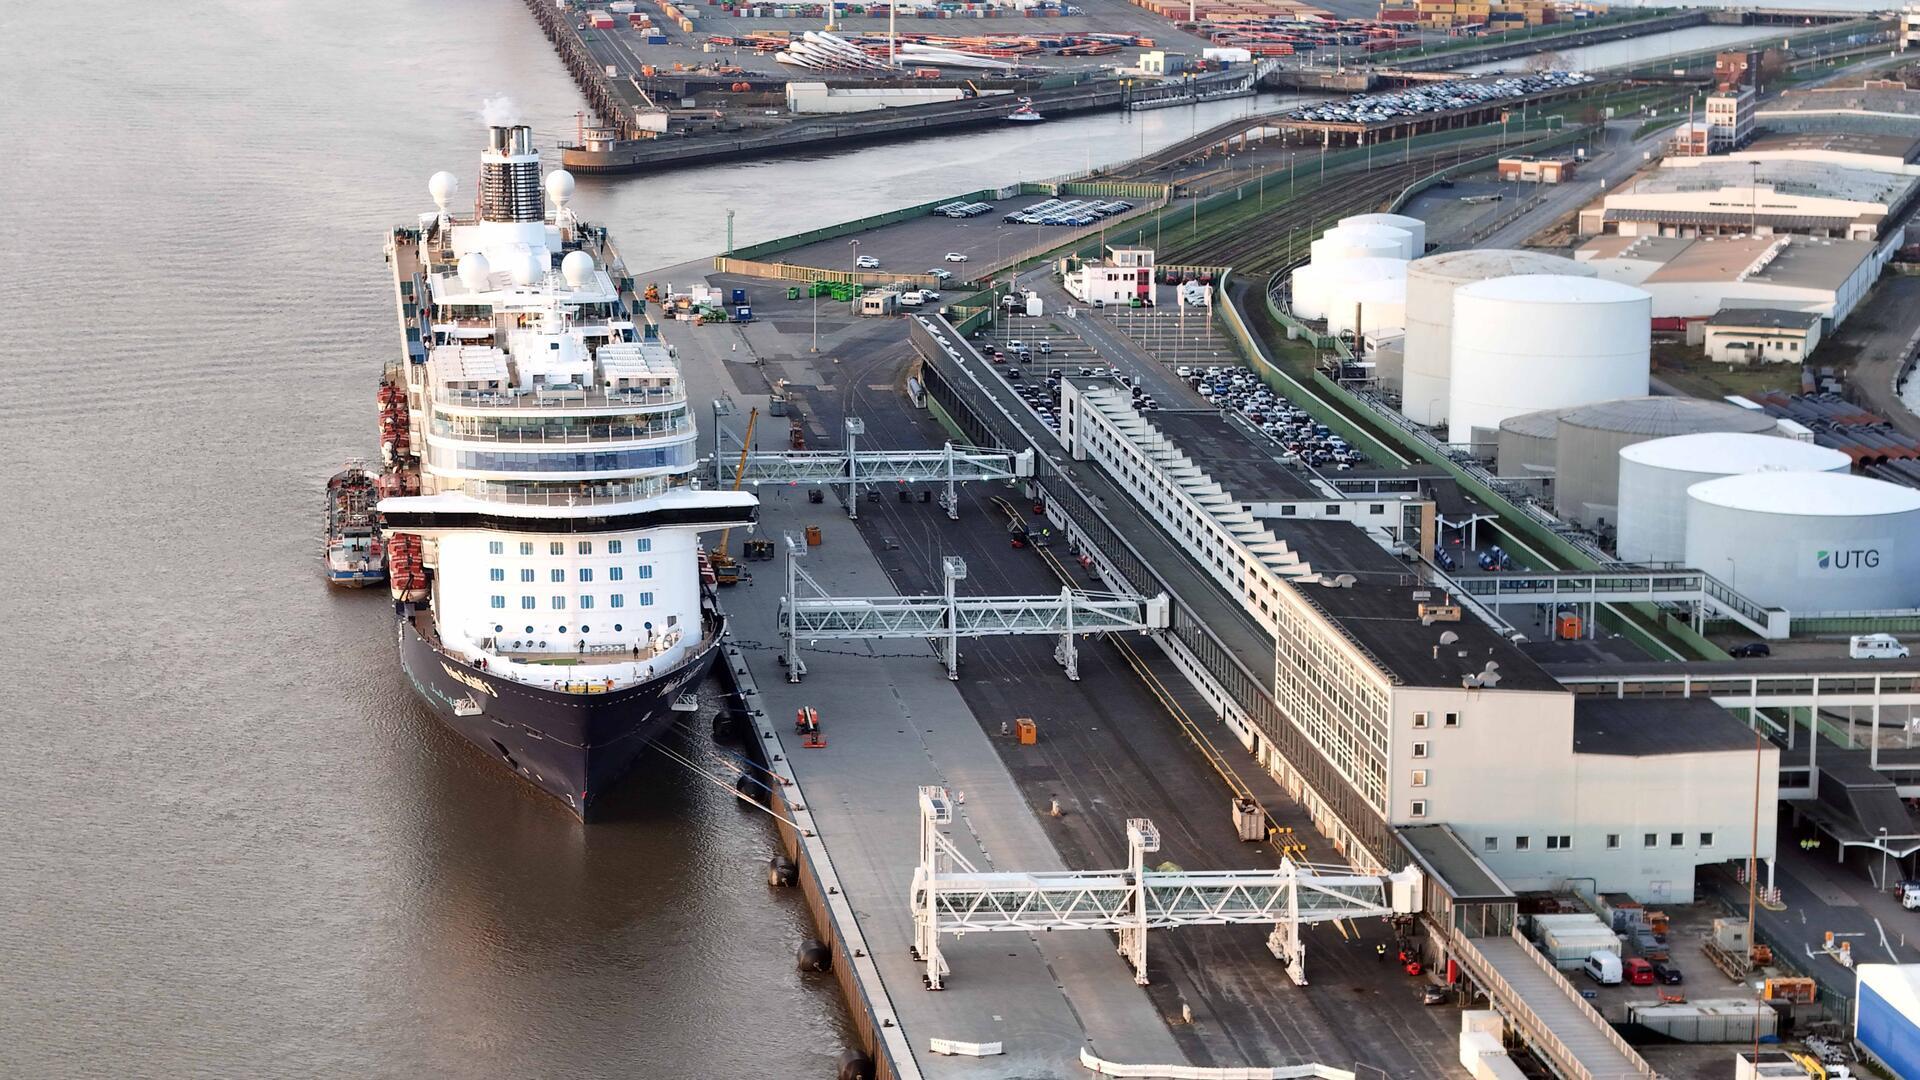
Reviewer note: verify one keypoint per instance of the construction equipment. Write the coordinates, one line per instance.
(806, 723)
(796, 435)
(725, 570)
(1789, 988)
(1731, 952)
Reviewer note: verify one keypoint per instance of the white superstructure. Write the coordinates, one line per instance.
(1655, 476)
(556, 441)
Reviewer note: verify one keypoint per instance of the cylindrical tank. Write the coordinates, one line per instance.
(1655, 476)
(1338, 282)
(1359, 242)
(1527, 444)
(1586, 486)
(1809, 542)
(1541, 341)
(1308, 291)
(1369, 307)
(1430, 285)
(1415, 229)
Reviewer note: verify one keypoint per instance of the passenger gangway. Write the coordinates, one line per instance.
(1574, 1040)
(950, 896)
(1696, 590)
(807, 612)
(850, 466)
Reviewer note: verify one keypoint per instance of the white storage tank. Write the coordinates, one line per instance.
(1541, 341)
(1415, 229)
(1359, 242)
(1586, 485)
(1655, 476)
(1430, 285)
(1369, 308)
(1809, 542)
(1362, 281)
(1529, 445)
(1307, 293)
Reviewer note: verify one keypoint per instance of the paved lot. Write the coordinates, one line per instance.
(920, 243)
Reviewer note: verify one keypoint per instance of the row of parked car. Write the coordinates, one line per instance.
(1438, 97)
(961, 209)
(1236, 387)
(1067, 212)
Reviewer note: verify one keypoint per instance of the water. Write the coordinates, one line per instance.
(1634, 50)
(231, 842)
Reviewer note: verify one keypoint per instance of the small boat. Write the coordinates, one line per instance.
(354, 554)
(1025, 113)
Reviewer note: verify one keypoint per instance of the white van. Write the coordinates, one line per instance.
(1603, 967)
(1876, 647)
(912, 299)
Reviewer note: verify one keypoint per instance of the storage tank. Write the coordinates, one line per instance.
(1587, 466)
(1655, 476)
(1307, 294)
(1539, 341)
(1886, 1015)
(1359, 242)
(1430, 284)
(1365, 282)
(1415, 229)
(1527, 443)
(1809, 542)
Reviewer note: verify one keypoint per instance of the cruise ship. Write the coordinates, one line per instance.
(544, 529)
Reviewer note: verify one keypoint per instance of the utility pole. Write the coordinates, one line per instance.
(729, 234)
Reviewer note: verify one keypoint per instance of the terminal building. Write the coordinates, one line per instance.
(1125, 276)
(1428, 709)
(1695, 278)
(1714, 196)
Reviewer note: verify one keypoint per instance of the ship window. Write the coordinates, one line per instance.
(499, 601)
(558, 574)
(586, 573)
(556, 548)
(529, 629)
(560, 604)
(526, 604)
(615, 573)
(645, 571)
(498, 629)
(496, 574)
(563, 629)
(616, 626)
(526, 547)
(526, 574)
(643, 545)
(613, 547)
(586, 547)
(645, 599)
(585, 629)
(495, 547)
(618, 600)
(586, 602)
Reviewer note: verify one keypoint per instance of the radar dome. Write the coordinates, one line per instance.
(443, 186)
(577, 268)
(560, 186)
(475, 272)
(526, 267)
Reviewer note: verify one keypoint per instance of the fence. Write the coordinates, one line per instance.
(796, 272)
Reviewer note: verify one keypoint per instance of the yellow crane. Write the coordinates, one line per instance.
(725, 570)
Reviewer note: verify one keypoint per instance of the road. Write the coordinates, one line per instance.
(1620, 157)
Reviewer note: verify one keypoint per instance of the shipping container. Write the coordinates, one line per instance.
(1886, 1016)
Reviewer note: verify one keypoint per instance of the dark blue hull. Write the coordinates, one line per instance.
(572, 746)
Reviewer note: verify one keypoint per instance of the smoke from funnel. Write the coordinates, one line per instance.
(499, 112)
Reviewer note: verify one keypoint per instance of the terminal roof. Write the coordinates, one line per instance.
(1442, 855)
(1379, 611)
(1651, 727)
(1839, 142)
(1760, 318)
(1237, 457)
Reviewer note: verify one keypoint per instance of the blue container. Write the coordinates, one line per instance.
(739, 296)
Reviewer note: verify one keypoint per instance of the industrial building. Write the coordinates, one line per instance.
(1427, 365)
(1654, 477)
(1527, 169)
(1435, 718)
(1124, 277)
(1541, 341)
(1876, 110)
(1696, 196)
(1746, 336)
(1809, 542)
(1840, 149)
(1696, 278)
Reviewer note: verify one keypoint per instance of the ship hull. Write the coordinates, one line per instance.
(572, 746)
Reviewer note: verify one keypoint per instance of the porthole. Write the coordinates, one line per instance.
(563, 629)
(617, 628)
(585, 629)
(498, 629)
(529, 629)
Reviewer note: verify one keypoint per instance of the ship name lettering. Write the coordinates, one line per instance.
(473, 681)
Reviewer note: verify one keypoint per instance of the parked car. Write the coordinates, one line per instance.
(942, 275)
(1638, 971)
(867, 262)
(1603, 967)
(1666, 973)
(1876, 647)
(1749, 651)
(954, 256)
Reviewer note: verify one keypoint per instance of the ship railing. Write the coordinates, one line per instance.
(560, 495)
(550, 436)
(564, 398)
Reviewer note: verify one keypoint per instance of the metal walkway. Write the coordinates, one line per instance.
(950, 896)
(854, 467)
(806, 611)
(1576, 1041)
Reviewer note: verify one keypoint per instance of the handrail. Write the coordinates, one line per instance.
(1592, 1014)
(1523, 1013)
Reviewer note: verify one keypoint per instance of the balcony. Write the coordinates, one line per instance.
(562, 396)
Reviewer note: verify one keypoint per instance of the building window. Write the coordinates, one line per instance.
(1419, 778)
(618, 600)
(1452, 720)
(1613, 841)
(644, 571)
(1376, 509)
(557, 574)
(1650, 840)
(645, 599)
(495, 547)
(586, 602)
(526, 574)
(586, 573)
(586, 547)
(613, 547)
(499, 601)
(1561, 842)
(559, 603)
(1706, 839)
(615, 573)
(526, 604)
(556, 548)
(496, 574)
(1419, 719)
(526, 547)
(1419, 749)
(643, 545)
(1419, 808)
(1676, 839)
(1521, 843)
(1489, 843)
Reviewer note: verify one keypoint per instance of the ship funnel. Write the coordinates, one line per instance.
(510, 176)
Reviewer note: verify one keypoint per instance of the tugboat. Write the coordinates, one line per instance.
(1025, 114)
(354, 554)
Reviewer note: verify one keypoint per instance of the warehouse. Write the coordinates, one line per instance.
(1744, 336)
(1693, 196)
(1842, 149)
(1694, 279)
